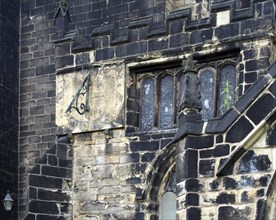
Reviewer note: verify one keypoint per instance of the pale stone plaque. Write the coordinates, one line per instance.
(105, 99)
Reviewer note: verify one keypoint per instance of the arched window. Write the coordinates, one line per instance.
(227, 85)
(158, 99)
(166, 102)
(168, 206)
(217, 87)
(147, 104)
(169, 199)
(207, 90)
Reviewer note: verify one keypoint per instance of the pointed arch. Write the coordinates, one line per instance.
(157, 175)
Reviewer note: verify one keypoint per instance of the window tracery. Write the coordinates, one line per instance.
(158, 99)
(159, 93)
(217, 86)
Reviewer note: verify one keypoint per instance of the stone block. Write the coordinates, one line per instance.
(256, 25)
(227, 31)
(48, 217)
(189, 166)
(193, 213)
(250, 77)
(45, 182)
(230, 183)
(192, 199)
(52, 196)
(250, 54)
(225, 198)
(253, 65)
(260, 214)
(144, 146)
(207, 167)
(193, 185)
(63, 61)
(104, 54)
(176, 27)
(43, 70)
(121, 50)
(261, 108)
(222, 124)
(230, 213)
(201, 36)
(260, 192)
(158, 44)
(251, 94)
(56, 172)
(133, 180)
(132, 118)
(239, 130)
(214, 185)
(251, 162)
(147, 157)
(223, 18)
(199, 142)
(137, 48)
(43, 207)
(219, 151)
(272, 70)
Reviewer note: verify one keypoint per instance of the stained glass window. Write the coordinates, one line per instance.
(217, 88)
(161, 93)
(147, 104)
(227, 85)
(166, 103)
(207, 90)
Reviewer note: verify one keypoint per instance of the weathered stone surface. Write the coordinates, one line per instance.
(201, 142)
(219, 151)
(224, 198)
(261, 108)
(104, 112)
(192, 199)
(206, 167)
(193, 185)
(239, 130)
(119, 171)
(251, 162)
(229, 183)
(229, 212)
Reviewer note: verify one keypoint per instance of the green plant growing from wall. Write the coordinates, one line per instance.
(227, 95)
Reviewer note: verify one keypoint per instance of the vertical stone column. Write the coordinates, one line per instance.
(186, 159)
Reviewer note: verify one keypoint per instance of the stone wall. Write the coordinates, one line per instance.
(50, 184)
(119, 172)
(232, 169)
(9, 67)
(37, 87)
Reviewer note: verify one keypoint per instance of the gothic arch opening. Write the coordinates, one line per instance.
(160, 179)
(168, 198)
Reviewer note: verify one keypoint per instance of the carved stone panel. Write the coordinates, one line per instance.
(105, 99)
